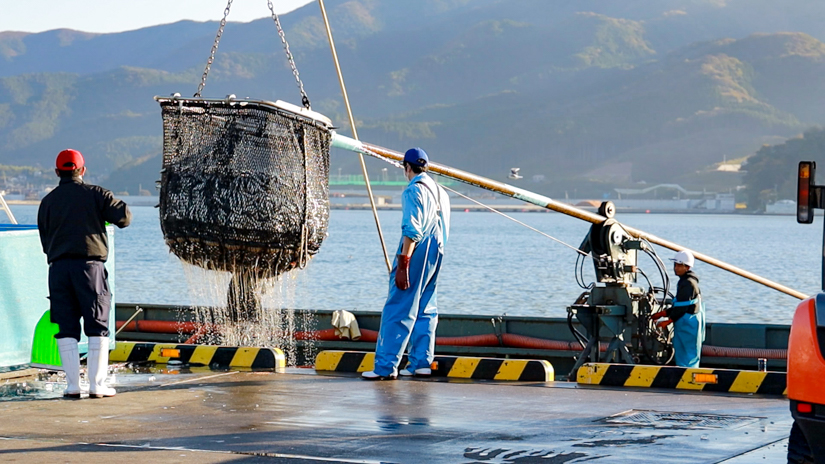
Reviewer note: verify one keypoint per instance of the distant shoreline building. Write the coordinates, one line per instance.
(674, 197)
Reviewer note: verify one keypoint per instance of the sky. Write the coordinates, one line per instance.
(125, 15)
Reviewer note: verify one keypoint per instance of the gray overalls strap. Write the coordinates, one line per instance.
(438, 209)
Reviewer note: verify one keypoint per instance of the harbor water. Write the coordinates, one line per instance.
(494, 266)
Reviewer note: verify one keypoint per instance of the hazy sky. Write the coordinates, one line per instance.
(124, 15)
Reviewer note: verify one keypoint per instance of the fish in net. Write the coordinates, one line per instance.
(244, 189)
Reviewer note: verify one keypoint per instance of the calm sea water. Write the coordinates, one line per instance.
(494, 266)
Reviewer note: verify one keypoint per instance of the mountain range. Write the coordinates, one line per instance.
(579, 94)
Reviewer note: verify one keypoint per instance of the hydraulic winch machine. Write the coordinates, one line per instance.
(615, 310)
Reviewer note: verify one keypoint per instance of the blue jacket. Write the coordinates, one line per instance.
(426, 211)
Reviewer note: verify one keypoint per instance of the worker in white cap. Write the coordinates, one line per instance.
(687, 314)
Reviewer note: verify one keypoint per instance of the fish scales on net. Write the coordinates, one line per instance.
(244, 184)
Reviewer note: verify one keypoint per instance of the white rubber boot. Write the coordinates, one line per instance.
(70, 360)
(98, 367)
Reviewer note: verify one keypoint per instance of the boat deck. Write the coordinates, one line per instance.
(304, 417)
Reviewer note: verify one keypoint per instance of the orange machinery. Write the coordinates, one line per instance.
(806, 345)
(806, 375)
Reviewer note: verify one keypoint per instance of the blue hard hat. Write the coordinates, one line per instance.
(416, 157)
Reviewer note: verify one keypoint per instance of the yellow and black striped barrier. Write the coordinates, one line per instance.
(446, 366)
(206, 355)
(681, 378)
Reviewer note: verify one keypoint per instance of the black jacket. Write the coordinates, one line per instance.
(72, 220)
(686, 290)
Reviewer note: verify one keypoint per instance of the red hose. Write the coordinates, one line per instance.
(468, 340)
(167, 327)
(329, 335)
(522, 341)
(730, 352)
(325, 335)
(489, 340)
(195, 336)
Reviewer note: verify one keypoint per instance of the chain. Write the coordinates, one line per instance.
(304, 98)
(214, 50)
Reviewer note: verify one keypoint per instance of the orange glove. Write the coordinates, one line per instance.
(402, 272)
(658, 315)
(663, 323)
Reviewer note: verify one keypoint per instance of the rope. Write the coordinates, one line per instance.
(355, 133)
(516, 221)
(398, 165)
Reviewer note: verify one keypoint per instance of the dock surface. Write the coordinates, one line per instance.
(304, 417)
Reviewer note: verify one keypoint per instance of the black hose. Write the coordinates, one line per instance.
(578, 271)
(662, 271)
(649, 283)
(578, 335)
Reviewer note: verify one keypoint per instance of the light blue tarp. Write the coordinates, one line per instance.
(24, 289)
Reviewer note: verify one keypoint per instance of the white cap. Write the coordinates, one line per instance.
(683, 257)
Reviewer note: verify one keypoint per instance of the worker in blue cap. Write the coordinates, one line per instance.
(410, 313)
(687, 313)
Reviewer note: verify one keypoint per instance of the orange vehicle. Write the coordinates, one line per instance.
(806, 346)
(806, 372)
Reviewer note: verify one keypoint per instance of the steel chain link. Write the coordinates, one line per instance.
(304, 98)
(214, 50)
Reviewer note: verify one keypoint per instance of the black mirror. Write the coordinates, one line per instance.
(806, 192)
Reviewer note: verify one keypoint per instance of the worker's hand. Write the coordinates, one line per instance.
(663, 323)
(658, 315)
(402, 272)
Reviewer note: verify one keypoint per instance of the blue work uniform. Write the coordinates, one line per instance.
(410, 315)
(688, 316)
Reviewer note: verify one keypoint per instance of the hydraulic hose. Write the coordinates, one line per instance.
(326, 335)
(165, 327)
(730, 352)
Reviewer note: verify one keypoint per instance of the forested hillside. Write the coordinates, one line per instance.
(772, 171)
(586, 94)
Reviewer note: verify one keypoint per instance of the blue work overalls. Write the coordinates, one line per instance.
(410, 315)
(688, 334)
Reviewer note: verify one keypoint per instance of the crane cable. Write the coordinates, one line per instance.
(398, 165)
(516, 221)
(355, 134)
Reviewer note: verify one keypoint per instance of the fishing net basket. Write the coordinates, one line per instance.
(244, 184)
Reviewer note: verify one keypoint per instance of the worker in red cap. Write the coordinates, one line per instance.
(72, 223)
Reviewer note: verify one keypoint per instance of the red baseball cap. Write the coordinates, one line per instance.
(69, 160)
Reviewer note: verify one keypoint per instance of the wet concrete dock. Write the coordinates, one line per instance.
(302, 417)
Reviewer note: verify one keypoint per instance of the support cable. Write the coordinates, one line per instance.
(399, 165)
(516, 221)
(354, 133)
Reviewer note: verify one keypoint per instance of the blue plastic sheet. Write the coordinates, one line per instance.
(24, 291)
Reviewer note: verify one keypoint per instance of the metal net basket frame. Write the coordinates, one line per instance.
(240, 225)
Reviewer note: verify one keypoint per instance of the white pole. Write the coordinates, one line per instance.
(5, 207)
(354, 133)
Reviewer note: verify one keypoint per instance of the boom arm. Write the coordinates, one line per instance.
(346, 143)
